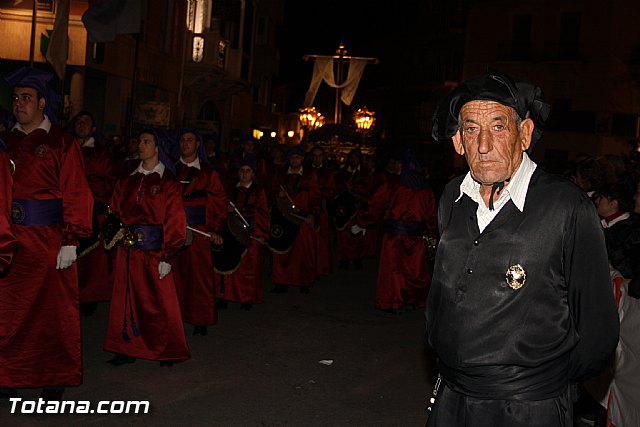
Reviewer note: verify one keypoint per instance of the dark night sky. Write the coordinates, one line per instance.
(367, 28)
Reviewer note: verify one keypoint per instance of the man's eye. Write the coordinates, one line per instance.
(499, 127)
(470, 129)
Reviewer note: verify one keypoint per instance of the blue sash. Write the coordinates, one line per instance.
(147, 237)
(36, 212)
(398, 227)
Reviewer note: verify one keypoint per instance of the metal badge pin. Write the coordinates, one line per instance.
(515, 277)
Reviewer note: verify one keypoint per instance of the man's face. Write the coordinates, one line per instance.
(491, 141)
(147, 147)
(318, 157)
(245, 174)
(84, 127)
(606, 207)
(295, 160)
(27, 108)
(188, 145)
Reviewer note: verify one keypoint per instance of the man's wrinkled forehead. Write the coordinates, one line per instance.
(486, 110)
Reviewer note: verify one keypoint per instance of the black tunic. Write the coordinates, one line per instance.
(508, 348)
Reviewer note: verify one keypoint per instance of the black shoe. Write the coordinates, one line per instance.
(222, 304)
(8, 393)
(52, 394)
(121, 359)
(88, 308)
(280, 289)
(304, 289)
(245, 307)
(344, 264)
(357, 263)
(166, 363)
(200, 330)
(392, 311)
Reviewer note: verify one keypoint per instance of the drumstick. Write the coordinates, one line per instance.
(239, 214)
(195, 230)
(293, 205)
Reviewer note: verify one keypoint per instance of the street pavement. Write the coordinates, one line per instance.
(263, 367)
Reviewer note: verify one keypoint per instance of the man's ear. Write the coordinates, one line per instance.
(457, 143)
(42, 103)
(526, 132)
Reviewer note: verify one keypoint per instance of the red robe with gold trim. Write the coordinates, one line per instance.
(148, 200)
(95, 269)
(40, 340)
(298, 266)
(245, 284)
(193, 266)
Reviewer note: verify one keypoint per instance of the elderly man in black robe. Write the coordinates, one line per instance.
(521, 306)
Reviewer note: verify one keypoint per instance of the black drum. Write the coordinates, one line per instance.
(282, 232)
(343, 209)
(235, 242)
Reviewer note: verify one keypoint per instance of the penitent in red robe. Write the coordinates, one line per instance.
(403, 272)
(324, 257)
(8, 241)
(40, 342)
(297, 267)
(95, 269)
(206, 201)
(244, 285)
(148, 200)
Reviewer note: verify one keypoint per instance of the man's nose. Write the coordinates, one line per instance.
(485, 142)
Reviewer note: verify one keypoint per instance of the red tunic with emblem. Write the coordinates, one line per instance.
(350, 246)
(205, 202)
(403, 272)
(297, 267)
(140, 297)
(244, 285)
(39, 316)
(95, 268)
(324, 258)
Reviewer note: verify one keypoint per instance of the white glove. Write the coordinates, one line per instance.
(356, 229)
(66, 257)
(163, 269)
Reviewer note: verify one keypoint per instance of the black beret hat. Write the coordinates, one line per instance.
(522, 96)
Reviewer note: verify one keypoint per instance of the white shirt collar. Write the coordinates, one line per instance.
(622, 217)
(516, 190)
(159, 169)
(194, 164)
(290, 172)
(89, 142)
(245, 186)
(44, 125)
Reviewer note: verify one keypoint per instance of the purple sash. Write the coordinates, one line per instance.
(147, 237)
(36, 212)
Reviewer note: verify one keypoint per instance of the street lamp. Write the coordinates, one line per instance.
(308, 117)
(365, 120)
